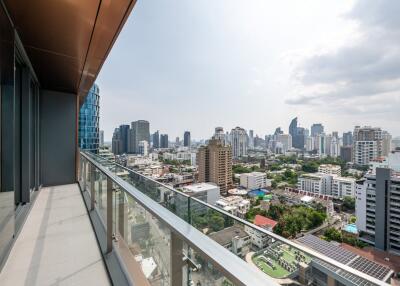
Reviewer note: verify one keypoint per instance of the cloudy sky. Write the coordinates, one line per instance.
(194, 65)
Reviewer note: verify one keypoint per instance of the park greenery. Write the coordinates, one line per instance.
(294, 219)
(336, 235)
(291, 219)
(239, 169)
(289, 176)
(175, 162)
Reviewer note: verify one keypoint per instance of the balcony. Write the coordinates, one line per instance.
(140, 221)
(57, 244)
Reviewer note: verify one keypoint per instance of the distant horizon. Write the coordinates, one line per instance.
(247, 130)
(195, 65)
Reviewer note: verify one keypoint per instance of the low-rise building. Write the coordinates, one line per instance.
(315, 183)
(235, 205)
(234, 238)
(327, 185)
(207, 192)
(330, 169)
(254, 180)
(258, 238)
(343, 187)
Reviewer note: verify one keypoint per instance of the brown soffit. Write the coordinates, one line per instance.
(67, 41)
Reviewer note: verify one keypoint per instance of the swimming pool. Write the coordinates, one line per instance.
(351, 228)
(257, 193)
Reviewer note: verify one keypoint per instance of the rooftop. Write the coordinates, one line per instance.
(263, 221)
(226, 235)
(200, 187)
(347, 257)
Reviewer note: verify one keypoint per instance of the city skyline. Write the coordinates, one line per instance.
(259, 76)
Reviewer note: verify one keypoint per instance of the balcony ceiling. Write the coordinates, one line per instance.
(67, 41)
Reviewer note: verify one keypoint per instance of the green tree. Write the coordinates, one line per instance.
(333, 234)
(310, 167)
(349, 203)
(216, 222)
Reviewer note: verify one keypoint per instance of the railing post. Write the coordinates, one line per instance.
(109, 215)
(122, 214)
(176, 260)
(84, 174)
(100, 198)
(92, 171)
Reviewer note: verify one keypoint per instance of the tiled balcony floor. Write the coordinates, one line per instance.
(57, 245)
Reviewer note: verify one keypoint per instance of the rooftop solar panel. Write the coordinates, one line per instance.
(347, 257)
(327, 248)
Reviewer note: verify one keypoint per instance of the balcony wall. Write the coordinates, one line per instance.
(58, 118)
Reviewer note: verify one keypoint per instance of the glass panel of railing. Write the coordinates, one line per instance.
(101, 195)
(283, 260)
(202, 272)
(144, 242)
(286, 261)
(175, 201)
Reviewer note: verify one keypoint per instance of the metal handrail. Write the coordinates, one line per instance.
(291, 243)
(231, 266)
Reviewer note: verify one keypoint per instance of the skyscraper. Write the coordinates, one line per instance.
(298, 134)
(101, 138)
(239, 142)
(215, 164)
(156, 140)
(220, 135)
(317, 129)
(120, 140)
(140, 131)
(164, 141)
(293, 127)
(186, 139)
(251, 139)
(116, 143)
(88, 133)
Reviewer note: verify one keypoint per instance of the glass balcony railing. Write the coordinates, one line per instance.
(166, 237)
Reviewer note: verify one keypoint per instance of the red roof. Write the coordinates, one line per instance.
(263, 221)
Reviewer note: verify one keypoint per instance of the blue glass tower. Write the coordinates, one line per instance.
(88, 136)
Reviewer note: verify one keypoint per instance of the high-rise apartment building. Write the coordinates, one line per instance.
(186, 139)
(164, 141)
(143, 148)
(369, 143)
(317, 129)
(88, 133)
(346, 153)
(348, 138)
(378, 210)
(215, 164)
(386, 143)
(239, 142)
(156, 139)
(285, 141)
